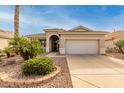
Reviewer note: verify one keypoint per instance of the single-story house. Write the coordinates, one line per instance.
(113, 37)
(78, 40)
(5, 36)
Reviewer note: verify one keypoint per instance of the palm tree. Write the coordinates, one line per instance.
(16, 20)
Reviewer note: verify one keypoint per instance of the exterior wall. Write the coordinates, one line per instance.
(85, 36)
(62, 46)
(64, 37)
(5, 36)
(3, 43)
(102, 46)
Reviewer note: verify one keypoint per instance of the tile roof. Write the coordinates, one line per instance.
(54, 29)
(115, 35)
(80, 27)
(40, 36)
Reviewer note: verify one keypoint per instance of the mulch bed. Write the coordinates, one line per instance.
(62, 80)
(116, 55)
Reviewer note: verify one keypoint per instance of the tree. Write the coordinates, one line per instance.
(16, 20)
(26, 48)
(120, 45)
(8, 51)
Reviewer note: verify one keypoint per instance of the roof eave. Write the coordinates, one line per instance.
(104, 33)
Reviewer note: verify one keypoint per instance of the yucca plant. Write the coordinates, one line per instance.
(120, 45)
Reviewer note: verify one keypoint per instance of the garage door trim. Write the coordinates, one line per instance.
(94, 49)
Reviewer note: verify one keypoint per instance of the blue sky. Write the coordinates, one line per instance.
(33, 19)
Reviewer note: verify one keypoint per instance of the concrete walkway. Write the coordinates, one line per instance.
(54, 54)
(89, 71)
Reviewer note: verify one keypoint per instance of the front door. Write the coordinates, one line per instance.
(55, 45)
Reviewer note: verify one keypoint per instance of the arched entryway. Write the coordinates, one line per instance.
(54, 43)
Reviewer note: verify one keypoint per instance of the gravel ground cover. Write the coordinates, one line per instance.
(116, 55)
(62, 80)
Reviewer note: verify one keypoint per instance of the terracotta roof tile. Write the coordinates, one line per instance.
(40, 35)
(115, 35)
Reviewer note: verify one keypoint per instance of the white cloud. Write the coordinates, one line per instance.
(5, 16)
(63, 21)
(115, 22)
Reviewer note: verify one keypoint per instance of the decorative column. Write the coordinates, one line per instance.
(102, 46)
(62, 46)
(47, 45)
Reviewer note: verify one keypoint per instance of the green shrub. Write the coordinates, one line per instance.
(0, 60)
(120, 45)
(38, 66)
(8, 51)
(0, 52)
(0, 56)
(26, 48)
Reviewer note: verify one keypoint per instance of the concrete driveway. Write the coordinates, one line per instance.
(96, 71)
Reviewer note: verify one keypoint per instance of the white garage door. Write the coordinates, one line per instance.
(81, 47)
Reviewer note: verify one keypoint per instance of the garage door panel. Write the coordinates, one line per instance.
(81, 47)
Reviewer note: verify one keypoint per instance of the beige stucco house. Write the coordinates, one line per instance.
(79, 40)
(112, 37)
(5, 36)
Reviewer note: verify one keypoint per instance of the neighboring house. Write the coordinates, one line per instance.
(113, 37)
(40, 36)
(79, 40)
(5, 36)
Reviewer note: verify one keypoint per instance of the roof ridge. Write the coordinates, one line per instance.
(80, 26)
(119, 31)
(35, 34)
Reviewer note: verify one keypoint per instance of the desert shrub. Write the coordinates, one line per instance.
(0, 55)
(0, 52)
(8, 51)
(35, 48)
(108, 50)
(120, 45)
(38, 66)
(112, 50)
(26, 48)
(0, 60)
